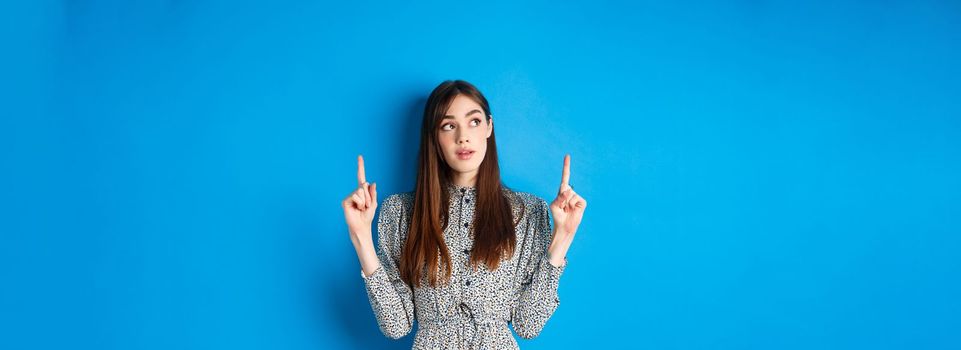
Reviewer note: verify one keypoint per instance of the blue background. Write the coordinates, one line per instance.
(762, 174)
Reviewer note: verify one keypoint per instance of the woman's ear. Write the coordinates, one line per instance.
(490, 126)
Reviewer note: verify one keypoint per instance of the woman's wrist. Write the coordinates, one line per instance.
(369, 264)
(366, 254)
(557, 251)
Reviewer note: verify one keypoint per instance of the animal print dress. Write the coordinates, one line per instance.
(474, 309)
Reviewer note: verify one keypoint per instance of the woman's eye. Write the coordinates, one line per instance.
(447, 126)
(475, 122)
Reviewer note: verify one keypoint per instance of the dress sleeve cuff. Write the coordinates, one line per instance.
(378, 271)
(553, 272)
(548, 258)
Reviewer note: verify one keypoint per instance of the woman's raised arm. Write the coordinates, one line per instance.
(359, 208)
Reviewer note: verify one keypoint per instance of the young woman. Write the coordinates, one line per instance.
(463, 254)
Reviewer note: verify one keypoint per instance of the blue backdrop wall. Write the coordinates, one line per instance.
(762, 174)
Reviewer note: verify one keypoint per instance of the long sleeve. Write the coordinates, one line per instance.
(537, 297)
(390, 298)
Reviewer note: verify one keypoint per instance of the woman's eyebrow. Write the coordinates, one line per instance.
(465, 116)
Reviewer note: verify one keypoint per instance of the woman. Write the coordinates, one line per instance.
(463, 254)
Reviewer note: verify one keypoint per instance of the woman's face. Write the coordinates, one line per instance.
(463, 135)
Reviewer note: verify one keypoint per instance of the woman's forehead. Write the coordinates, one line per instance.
(462, 105)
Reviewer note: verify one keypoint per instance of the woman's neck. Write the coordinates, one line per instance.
(465, 179)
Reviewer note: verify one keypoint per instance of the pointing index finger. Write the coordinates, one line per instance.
(361, 178)
(566, 174)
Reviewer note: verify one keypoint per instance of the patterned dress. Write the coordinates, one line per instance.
(474, 309)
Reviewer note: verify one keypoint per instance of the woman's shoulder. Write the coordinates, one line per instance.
(525, 203)
(395, 212)
(399, 202)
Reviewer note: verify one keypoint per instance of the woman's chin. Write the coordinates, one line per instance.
(461, 166)
(465, 170)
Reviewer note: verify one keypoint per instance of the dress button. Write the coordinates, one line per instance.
(466, 224)
(467, 283)
(462, 190)
(467, 200)
(466, 251)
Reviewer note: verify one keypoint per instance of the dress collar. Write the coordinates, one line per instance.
(461, 190)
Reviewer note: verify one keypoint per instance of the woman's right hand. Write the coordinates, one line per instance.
(359, 206)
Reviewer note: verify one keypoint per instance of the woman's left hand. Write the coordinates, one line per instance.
(568, 208)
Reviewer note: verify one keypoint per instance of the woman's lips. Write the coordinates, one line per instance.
(464, 155)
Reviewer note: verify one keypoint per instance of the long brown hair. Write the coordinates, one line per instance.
(494, 238)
